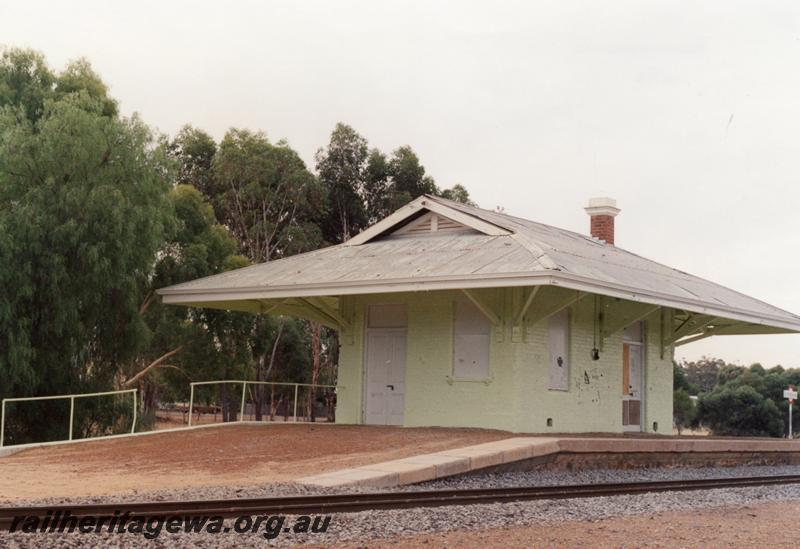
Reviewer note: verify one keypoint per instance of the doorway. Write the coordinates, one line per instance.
(633, 378)
(385, 361)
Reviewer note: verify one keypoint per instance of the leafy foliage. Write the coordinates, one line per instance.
(195, 150)
(83, 211)
(740, 410)
(199, 247)
(96, 213)
(408, 175)
(265, 195)
(28, 83)
(364, 186)
(683, 409)
(703, 373)
(342, 169)
(458, 193)
(741, 401)
(680, 380)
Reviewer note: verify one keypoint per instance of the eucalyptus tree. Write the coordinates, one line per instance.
(408, 175)
(83, 211)
(27, 82)
(458, 193)
(273, 206)
(408, 180)
(187, 344)
(194, 149)
(266, 196)
(341, 167)
(379, 201)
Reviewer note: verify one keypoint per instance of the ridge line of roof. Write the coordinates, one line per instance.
(515, 218)
(536, 248)
(453, 203)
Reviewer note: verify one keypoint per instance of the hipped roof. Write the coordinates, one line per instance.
(497, 250)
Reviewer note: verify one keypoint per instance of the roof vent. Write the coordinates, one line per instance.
(602, 212)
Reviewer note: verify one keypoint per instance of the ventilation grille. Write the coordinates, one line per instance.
(448, 224)
(423, 225)
(431, 224)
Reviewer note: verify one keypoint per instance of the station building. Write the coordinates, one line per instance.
(450, 315)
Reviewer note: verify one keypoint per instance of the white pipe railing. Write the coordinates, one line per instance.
(71, 408)
(244, 392)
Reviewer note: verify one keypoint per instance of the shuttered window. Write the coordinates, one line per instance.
(558, 343)
(471, 340)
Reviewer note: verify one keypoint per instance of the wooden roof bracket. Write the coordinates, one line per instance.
(566, 301)
(517, 331)
(326, 309)
(707, 332)
(694, 324)
(608, 330)
(488, 312)
(268, 307)
(323, 311)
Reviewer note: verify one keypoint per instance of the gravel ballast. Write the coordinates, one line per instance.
(387, 524)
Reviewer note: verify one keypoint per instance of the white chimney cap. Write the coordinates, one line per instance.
(602, 206)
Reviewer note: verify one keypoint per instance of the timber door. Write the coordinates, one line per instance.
(385, 365)
(632, 379)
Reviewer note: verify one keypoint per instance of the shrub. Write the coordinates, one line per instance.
(740, 410)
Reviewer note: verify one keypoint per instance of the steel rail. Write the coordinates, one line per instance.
(350, 503)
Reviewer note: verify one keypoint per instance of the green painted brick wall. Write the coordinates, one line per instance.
(517, 397)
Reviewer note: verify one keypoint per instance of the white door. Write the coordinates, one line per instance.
(386, 374)
(632, 384)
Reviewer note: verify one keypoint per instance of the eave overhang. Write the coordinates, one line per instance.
(260, 294)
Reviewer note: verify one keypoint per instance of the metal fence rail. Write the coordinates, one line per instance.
(294, 387)
(244, 384)
(71, 408)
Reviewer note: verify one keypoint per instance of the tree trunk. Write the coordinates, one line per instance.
(316, 351)
(149, 401)
(258, 393)
(223, 402)
(228, 404)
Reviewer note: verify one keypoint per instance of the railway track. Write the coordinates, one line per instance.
(348, 503)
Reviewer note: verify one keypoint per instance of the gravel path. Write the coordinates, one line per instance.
(387, 524)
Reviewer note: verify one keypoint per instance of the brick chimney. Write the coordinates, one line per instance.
(602, 212)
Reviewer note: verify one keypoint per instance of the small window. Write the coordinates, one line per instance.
(470, 342)
(558, 342)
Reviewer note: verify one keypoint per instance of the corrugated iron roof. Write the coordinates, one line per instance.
(519, 252)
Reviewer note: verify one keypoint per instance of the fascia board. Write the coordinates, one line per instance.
(564, 280)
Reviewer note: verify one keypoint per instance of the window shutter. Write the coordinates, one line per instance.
(471, 340)
(558, 343)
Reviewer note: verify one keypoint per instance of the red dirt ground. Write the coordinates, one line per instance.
(231, 455)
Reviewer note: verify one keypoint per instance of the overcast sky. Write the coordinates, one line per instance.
(686, 112)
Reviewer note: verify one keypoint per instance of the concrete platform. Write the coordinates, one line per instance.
(525, 453)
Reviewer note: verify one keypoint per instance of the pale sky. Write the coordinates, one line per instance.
(686, 112)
